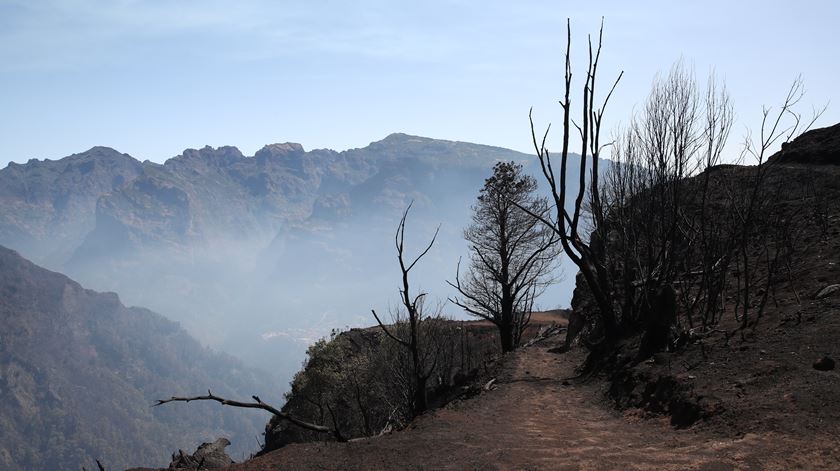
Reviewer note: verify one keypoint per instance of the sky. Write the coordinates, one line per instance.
(154, 77)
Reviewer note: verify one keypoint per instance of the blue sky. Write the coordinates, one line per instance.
(153, 77)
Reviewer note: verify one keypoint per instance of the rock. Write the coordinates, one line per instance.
(558, 349)
(661, 358)
(824, 364)
(206, 456)
(684, 413)
(710, 405)
(828, 291)
(815, 147)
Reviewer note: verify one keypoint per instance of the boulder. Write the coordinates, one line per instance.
(206, 456)
(824, 364)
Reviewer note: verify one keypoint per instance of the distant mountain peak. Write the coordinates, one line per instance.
(217, 156)
(399, 138)
(279, 151)
(403, 137)
(102, 150)
(94, 153)
(282, 147)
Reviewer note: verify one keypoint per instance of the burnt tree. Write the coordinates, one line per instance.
(511, 253)
(567, 225)
(407, 329)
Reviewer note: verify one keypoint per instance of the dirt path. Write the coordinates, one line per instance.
(531, 421)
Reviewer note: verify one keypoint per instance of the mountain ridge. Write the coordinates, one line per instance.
(294, 169)
(211, 234)
(394, 137)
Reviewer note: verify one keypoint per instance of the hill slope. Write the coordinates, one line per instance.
(79, 371)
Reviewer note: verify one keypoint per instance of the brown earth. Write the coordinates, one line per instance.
(534, 419)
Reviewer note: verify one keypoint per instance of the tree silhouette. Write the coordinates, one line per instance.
(512, 253)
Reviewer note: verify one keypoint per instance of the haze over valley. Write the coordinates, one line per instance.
(255, 256)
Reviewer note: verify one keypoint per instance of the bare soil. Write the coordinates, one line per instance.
(535, 419)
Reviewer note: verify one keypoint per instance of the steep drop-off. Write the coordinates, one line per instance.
(79, 372)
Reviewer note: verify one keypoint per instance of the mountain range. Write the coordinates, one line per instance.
(255, 255)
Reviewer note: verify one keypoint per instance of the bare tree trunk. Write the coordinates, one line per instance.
(566, 225)
(420, 399)
(506, 336)
(420, 370)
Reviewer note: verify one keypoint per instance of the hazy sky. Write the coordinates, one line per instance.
(152, 77)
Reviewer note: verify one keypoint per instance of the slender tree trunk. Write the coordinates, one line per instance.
(596, 284)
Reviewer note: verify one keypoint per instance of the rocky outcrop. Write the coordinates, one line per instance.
(661, 394)
(207, 456)
(815, 147)
(824, 363)
(48, 206)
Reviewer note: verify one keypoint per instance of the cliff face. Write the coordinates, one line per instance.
(48, 207)
(79, 372)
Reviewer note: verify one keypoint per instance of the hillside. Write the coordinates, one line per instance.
(241, 249)
(731, 396)
(535, 419)
(79, 372)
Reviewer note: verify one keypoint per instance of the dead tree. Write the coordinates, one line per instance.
(586, 254)
(98, 466)
(658, 234)
(407, 328)
(652, 230)
(664, 207)
(258, 404)
(783, 124)
(512, 253)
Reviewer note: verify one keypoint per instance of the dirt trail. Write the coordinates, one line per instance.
(531, 421)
